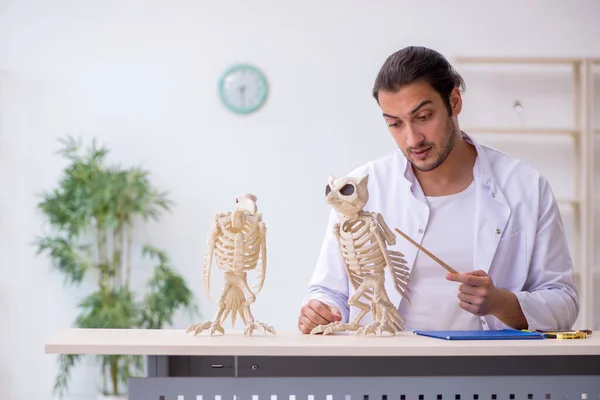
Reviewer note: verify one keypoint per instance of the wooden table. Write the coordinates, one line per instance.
(294, 366)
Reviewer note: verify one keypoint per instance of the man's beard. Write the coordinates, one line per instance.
(446, 147)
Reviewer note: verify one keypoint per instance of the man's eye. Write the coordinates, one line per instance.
(424, 117)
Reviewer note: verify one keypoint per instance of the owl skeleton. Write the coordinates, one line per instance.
(237, 241)
(363, 238)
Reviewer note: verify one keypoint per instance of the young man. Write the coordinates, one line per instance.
(491, 217)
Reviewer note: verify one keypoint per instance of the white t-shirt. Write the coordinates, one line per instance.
(450, 236)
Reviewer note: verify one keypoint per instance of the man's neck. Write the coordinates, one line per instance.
(454, 175)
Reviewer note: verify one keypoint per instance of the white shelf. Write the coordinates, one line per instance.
(582, 131)
(521, 131)
(519, 60)
(593, 272)
(572, 202)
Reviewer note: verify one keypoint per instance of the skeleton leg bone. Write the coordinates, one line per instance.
(215, 325)
(354, 324)
(387, 317)
(251, 324)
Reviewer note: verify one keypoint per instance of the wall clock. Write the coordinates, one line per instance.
(243, 88)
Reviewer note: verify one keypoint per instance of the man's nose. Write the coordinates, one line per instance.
(413, 136)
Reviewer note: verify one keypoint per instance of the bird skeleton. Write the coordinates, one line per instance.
(363, 238)
(237, 240)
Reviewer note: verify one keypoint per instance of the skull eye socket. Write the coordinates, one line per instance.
(327, 190)
(347, 190)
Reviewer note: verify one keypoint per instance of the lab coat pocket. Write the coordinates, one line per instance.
(509, 267)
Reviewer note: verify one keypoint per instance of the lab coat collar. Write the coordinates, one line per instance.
(491, 213)
(482, 171)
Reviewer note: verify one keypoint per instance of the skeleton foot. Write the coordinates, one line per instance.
(252, 325)
(377, 328)
(202, 326)
(334, 327)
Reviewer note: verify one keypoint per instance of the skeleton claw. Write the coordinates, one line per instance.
(377, 328)
(201, 326)
(252, 325)
(336, 326)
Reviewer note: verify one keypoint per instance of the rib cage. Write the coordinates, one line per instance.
(360, 247)
(363, 255)
(238, 251)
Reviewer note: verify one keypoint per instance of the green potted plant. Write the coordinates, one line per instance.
(91, 216)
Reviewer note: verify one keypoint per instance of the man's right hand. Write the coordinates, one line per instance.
(316, 313)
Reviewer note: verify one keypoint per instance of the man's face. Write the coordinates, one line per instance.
(420, 124)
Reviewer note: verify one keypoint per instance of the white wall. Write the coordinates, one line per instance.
(141, 76)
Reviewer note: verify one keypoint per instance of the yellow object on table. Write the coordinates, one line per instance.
(574, 334)
(577, 334)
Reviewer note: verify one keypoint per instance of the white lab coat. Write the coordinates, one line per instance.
(519, 237)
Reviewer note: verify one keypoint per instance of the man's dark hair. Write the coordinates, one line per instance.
(418, 64)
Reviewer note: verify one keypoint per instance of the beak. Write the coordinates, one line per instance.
(248, 206)
(331, 180)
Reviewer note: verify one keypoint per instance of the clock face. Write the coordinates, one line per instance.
(243, 89)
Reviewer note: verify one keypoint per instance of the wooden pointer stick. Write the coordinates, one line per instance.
(418, 246)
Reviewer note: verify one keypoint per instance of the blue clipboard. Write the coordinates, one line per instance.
(502, 334)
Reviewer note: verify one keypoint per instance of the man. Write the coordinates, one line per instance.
(491, 217)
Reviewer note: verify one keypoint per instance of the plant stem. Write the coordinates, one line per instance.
(104, 385)
(102, 257)
(117, 256)
(128, 249)
(113, 373)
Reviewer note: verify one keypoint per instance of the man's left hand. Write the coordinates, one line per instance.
(477, 293)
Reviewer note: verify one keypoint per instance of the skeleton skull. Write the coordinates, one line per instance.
(348, 195)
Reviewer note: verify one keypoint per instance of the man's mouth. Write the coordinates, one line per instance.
(422, 153)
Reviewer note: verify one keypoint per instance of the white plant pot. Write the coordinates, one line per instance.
(111, 397)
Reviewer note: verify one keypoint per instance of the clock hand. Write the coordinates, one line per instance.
(242, 94)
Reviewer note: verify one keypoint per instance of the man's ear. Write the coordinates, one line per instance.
(455, 102)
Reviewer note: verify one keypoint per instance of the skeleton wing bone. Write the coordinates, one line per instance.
(208, 254)
(262, 231)
(395, 263)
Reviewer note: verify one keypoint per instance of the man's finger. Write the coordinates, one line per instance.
(308, 324)
(322, 309)
(472, 290)
(303, 328)
(325, 311)
(467, 307)
(477, 273)
(315, 318)
(473, 309)
(336, 313)
(467, 298)
(466, 279)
